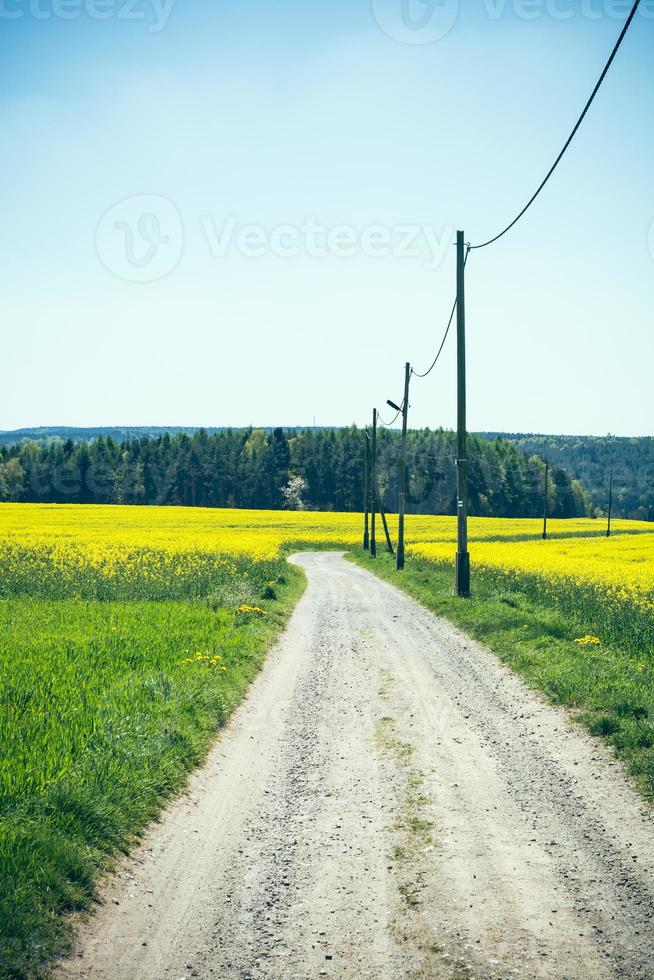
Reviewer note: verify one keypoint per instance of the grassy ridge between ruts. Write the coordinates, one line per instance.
(104, 708)
(610, 683)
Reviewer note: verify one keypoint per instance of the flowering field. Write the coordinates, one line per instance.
(259, 533)
(166, 553)
(58, 551)
(622, 565)
(604, 581)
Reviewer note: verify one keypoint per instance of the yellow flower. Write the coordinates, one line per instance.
(252, 610)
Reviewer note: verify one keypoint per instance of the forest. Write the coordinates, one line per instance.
(321, 469)
(591, 459)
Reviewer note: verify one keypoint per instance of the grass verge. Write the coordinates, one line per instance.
(611, 686)
(104, 709)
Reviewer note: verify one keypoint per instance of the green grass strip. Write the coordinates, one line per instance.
(101, 720)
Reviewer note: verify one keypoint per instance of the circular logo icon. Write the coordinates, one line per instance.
(416, 21)
(141, 238)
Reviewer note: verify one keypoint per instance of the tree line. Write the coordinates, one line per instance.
(591, 459)
(319, 469)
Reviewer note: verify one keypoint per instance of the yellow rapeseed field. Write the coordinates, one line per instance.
(257, 533)
(99, 551)
(621, 566)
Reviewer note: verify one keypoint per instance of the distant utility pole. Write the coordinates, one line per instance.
(608, 526)
(373, 504)
(366, 490)
(545, 508)
(402, 508)
(462, 555)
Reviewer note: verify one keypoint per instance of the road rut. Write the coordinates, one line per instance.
(389, 802)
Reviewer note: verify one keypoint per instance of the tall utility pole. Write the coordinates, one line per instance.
(402, 507)
(366, 490)
(545, 507)
(373, 504)
(608, 526)
(462, 555)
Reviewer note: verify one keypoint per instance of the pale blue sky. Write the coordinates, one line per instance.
(269, 114)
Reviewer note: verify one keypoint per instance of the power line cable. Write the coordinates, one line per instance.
(445, 335)
(417, 454)
(572, 134)
(387, 425)
(541, 186)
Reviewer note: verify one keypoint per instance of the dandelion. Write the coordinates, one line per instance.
(588, 640)
(252, 610)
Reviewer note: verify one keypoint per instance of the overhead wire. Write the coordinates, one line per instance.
(387, 425)
(572, 134)
(529, 203)
(445, 335)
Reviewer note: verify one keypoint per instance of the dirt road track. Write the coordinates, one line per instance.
(390, 802)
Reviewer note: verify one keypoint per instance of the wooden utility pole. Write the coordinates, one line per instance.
(402, 507)
(373, 505)
(545, 507)
(366, 491)
(462, 555)
(608, 526)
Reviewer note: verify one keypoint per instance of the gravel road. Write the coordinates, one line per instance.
(390, 802)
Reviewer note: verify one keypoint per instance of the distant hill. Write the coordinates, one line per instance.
(590, 459)
(119, 433)
(48, 433)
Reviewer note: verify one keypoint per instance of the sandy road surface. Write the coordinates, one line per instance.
(390, 802)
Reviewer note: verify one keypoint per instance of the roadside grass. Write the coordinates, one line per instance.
(610, 686)
(101, 720)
